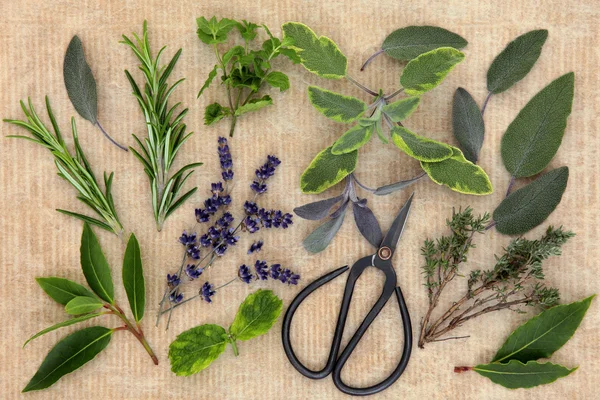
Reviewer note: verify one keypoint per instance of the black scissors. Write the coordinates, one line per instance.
(381, 260)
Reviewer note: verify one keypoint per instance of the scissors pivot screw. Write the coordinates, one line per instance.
(385, 253)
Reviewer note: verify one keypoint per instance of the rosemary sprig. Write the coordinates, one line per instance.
(166, 130)
(74, 169)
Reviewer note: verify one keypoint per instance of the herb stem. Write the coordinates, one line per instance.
(138, 333)
(371, 58)
(391, 96)
(368, 189)
(510, 186)
(234, 347)
(485, 103)
(109, 138)
(360, 86)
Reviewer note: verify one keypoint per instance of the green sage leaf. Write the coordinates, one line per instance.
(459, 174)
(320, 238)
(515, 61)
(278, 80)
(353, 139)
(211, 76)
(80, 82)
(62, 290)
(82, 304)
(133, 278)
(401, 109)
(429, 70)
(467, 124)
(327, 169)
(213, 31)
(515, 374)
(420, 147)
(196, 348)
(254, 105)
(94, 265)
(533, 138)
(410, 42)
(214, 113)
(68, 322)
(319, 55)
(68, 355)
(256, 315)
(336, 106)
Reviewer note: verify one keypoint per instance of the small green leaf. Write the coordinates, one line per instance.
(68, 355)
(234, 53)
(68, 322)
(459, 174)
(62, 290)
(535, 135)
(319, 55)
(291, 54)
(515, 61)
(82, 304)
(420, 147)
(133, 278)
(401, 109)
(80, 82)
(247, 30)
(256, 315)
(410, 42)
(429, 70)
(327, 169)
(515, 374)
(211, 76)
(213, 31)
(254, 105)
(196, 348)
(278, 80)
(353, 139)
(467, 124)
(214, 113)
(94, 265)
(335, 106)
(526, 208)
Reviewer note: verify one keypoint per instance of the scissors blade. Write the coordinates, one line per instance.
(393, 235)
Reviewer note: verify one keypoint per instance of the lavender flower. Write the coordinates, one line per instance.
(289, 277)
(244, 274)
(258, 187)
(193, 272)
(262, 270)
(207, 292)
(263, 173)
(193, 251)
(176, 297)
(250, 224)
(251, 208)
(186, 239)
(255, 247)
(275, 271)
(216, 188)
(205, 240)
(225, 159)
(173, 280)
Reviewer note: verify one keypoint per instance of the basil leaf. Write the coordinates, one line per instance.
(407, 43)
(82, 304)
(459, 174)
(254, 105)
(68, 322)
(278, 80)
(214, 113)
(196, 348)
(133, 278)
(94, 265)
(68, 355)
(429, 70)
(515, 374)
(213, 31)
(543, 334)
(256, 315)
(533, 138)
(420, 147)
(80, 82)
(401, 109)
(515, 61)
(327, 169)
(526, 208)
(367, 224)
(354, 138)
(320, 238)
(467, 124)
(318, 209)
(335, 106)
(319, 55)
(62, 290)
(211, 76)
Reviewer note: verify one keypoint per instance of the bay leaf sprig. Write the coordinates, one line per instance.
(165, 129)
(82, 346)
(75, 169)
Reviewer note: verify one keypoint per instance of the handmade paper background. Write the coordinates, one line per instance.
(38, 241)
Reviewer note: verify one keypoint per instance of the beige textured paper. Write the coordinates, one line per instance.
(38, 241)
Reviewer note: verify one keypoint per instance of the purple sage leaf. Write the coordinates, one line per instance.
(318, 209)
(367, 224)
(320, 238)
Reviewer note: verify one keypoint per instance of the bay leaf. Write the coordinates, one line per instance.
(420, 147)
(467, 124)
(133, 278)
(94, 265)
(82, 304)
(80, 82)
(62, 290)
(407, 43)
(318, 209)
(196, 348)
(401, 109)
(515, 374)
(326, 170)
(429, 70)
(256, 315)
(68, 322)
(336, 106)
(354, 138)
(320, 238)
(367, 224)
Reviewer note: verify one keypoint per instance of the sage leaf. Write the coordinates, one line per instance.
(379, 130)
(515, 374)
(318, 209)
(367, 224)
(319, 55)
(393, 187)
(256, 315)
(327, 169)
(533, 138)
(82, 304)
(133, 278)
(80, 82)
(459, 174)
(94, 265)
(68, 355)
(211, 76)
(529, 206)
(353, 139)
(254, 105)
(320, 238)
(336, 106)
(467, 124)
(401, 109)
(407, 43)
(62, 290)
(420, 147)
(213, 31)
(68, 322)
(545, 333)
(278, 80)
(429, 70)
(515, 61)
(214, 113)
(196, 348)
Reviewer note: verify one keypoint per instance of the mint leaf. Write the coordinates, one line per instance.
(248, 30)
(336, 106)
(429, 70)
(214, 113)
(354, 138)
(410, 42)
(256, 315)
(401, 109)
(94, 265)
(62, 290)
(254, 105)
(213, 31)
(467, 124)
(211, 76)
(133, 278)
(327, 169)
(82, 304)
(68, 322)
(420, 147)
(278, 80)
(80, 82)
(196, 348)
(515, 374)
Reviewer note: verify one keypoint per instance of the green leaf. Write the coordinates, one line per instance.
(429, 70)
(68, 355)
(459, 174)
(545, 333)
(256, 315)
(213, 31)
(214, 113)
(82, 304)
(292, 55)
(526, 208)
(407, 43)
(133, 278)
(211, 76)
(515, 61)
(401, 109)
(233, 53)
(515, 374)
(353, 139)
(319, 55)
(247, 30)
(254, 105)
(533, 138)
(94, 265)
(68, 322)
(335, 106)
(420, 147)
(62, 290)
(467, 124)
(196, 348)
(278, 80)
(80, 82)
(327, 169)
